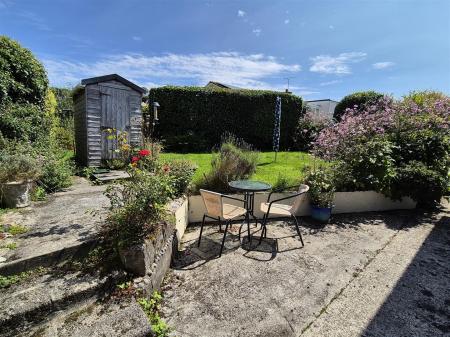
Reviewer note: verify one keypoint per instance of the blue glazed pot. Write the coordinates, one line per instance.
(321, 214)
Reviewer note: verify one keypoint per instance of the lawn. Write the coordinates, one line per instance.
(288, 164)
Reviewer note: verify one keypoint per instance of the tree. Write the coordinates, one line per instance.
(360, 99)
(22, 77)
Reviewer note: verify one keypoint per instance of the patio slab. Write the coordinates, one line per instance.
(64, 225)
(334, 286)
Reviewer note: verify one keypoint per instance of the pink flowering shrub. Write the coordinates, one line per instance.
(308, 129)
(392, 146)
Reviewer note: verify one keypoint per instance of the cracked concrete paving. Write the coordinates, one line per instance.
(373, 274)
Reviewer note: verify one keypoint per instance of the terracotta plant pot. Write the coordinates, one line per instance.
(321, 214)
(15, 194)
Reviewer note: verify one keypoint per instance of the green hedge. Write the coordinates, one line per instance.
(194, 118)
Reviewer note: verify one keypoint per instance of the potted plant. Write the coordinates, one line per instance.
(17, 174)
(321, 193)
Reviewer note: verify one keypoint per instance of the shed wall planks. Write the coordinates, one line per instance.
(103, 105)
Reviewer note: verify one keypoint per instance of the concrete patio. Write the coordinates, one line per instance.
(372, 274)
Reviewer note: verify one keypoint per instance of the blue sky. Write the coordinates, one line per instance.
(327, 48)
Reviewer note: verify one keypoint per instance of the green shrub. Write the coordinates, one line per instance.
(63, 135)
(137, 207)
(64, 107)
(369, 165)
(425, 97)
(22, 77)
(24, 122)
(230, 163)
(425, 145)
(18, 162)
(181, 173)
(360, 99)
(322, 186)
(57, 172)
(151, 307)
(194, 118)
(422, 184)
(282, 183)
(38, 194)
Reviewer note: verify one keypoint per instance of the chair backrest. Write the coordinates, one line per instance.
(299, 199)
(213, 202)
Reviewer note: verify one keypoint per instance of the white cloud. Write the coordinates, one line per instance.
(257, 31)
(383, 65)
(327, 64)
(241, 13)
(287, 21)
(323, 84)
(137, 38)
(241, 70)
(5, 3)
(34, 20)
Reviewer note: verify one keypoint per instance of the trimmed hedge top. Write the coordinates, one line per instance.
(194, 118)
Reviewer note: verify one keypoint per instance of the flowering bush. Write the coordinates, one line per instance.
(181, 173)
(308, 128)
(356, 101)
(321, 187)
(376, 147)
(137, 207)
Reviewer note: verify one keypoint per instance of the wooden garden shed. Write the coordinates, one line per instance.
(102, 104)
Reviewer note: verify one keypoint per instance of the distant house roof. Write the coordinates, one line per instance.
(322, 100)
(220, 85)
(113, 77)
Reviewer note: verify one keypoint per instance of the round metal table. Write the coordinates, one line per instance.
(249, 188)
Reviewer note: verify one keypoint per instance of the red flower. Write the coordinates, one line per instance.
(135, 159)
(144, 152)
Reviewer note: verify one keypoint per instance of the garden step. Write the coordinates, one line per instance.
(111, 175)
(50, 232)
(48, 259)
(94, 319)
(32, 300)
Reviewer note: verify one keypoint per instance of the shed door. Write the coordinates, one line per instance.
(115, 108)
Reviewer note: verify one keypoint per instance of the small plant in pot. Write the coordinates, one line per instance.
(17, 175)
(321, 193)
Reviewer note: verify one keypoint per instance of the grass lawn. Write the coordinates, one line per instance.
(288, 164)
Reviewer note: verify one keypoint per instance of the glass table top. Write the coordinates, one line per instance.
(249, 185)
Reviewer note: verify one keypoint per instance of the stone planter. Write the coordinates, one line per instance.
(15, 194)
(140, 259)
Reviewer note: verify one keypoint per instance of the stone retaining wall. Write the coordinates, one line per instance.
(151, 260)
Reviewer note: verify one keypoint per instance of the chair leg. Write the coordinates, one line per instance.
(220, 225)
(201, 230)
(224, 236)
(298, 229)
(263, 228)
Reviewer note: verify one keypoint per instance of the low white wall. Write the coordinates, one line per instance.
(180, 210)
(345, 202)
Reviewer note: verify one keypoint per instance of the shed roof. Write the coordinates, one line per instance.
(111, 77)
(221, 85)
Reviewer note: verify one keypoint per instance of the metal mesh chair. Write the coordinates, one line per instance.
(216, 209)
(273, 207)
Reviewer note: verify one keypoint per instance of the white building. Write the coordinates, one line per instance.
(324, 107)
